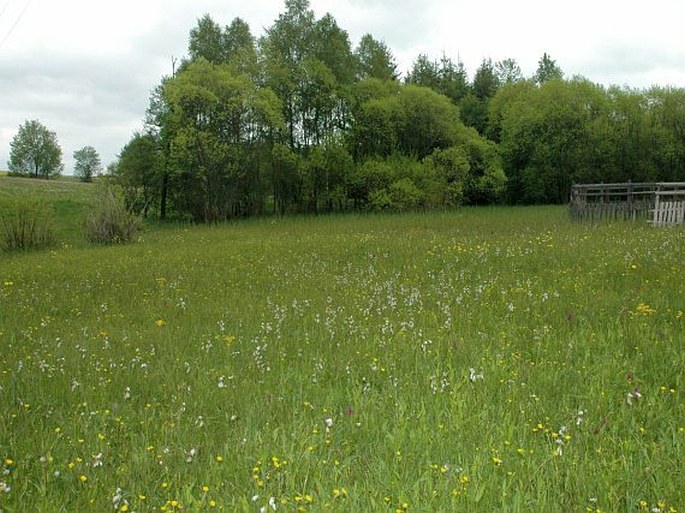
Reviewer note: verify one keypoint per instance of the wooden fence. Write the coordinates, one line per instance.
(658, 203)
(669, 208)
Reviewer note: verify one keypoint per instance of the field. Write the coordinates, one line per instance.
(500, 359)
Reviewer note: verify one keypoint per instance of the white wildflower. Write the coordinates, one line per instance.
(97, 460)
(190, 455)
(473, 376)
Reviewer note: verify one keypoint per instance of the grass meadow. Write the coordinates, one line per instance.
(493, 359)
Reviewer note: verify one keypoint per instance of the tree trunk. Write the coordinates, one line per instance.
(165, 188)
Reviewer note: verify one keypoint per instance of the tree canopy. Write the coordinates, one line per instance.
(35, 152)
(88, 163)
(301, 120)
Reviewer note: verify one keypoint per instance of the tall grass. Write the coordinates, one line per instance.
(485, 360)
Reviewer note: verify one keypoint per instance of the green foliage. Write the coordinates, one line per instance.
(474, 105)
(562, 132)
(404, 195)
(429, 121)
(452, 167)
(408, 120)
(375, 60)
(88, 164)
(109, 221)
(207, 41)
(138, 173)
(486, 80)
(35, 152)
(424, 72)
(333, 49)
(25, 224)
(288, 122)
(508, 71)
(547, 70)
(286, 169)
(324, 175)
(486, 182)
(218, 118)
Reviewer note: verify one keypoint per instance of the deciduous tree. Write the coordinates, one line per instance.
(35, 152)
(547, 70)
(87, 164)
(375, 60)
(207, 40)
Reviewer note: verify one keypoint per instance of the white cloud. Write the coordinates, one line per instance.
(85, 69)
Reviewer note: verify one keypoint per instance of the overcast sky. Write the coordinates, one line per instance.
(85, 68)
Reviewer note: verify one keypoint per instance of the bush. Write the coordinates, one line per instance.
(25, 225)
(405, 195)
(109, 222)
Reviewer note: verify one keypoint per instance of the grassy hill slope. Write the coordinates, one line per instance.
(67, 198)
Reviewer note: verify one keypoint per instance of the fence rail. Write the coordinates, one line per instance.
(660, 203)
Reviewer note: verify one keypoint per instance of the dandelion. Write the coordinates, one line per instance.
(83, 478)
(644, 309)
(339, 493)
(160, 323)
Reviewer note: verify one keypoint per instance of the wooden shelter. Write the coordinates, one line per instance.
(659, 203)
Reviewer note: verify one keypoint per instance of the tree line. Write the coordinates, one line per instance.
(299, 120)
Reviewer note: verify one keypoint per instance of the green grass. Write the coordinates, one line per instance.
(68, 199)
(482, 360)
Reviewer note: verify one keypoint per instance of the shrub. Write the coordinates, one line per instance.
(405, 195)
(25, 225)
(109, 222)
